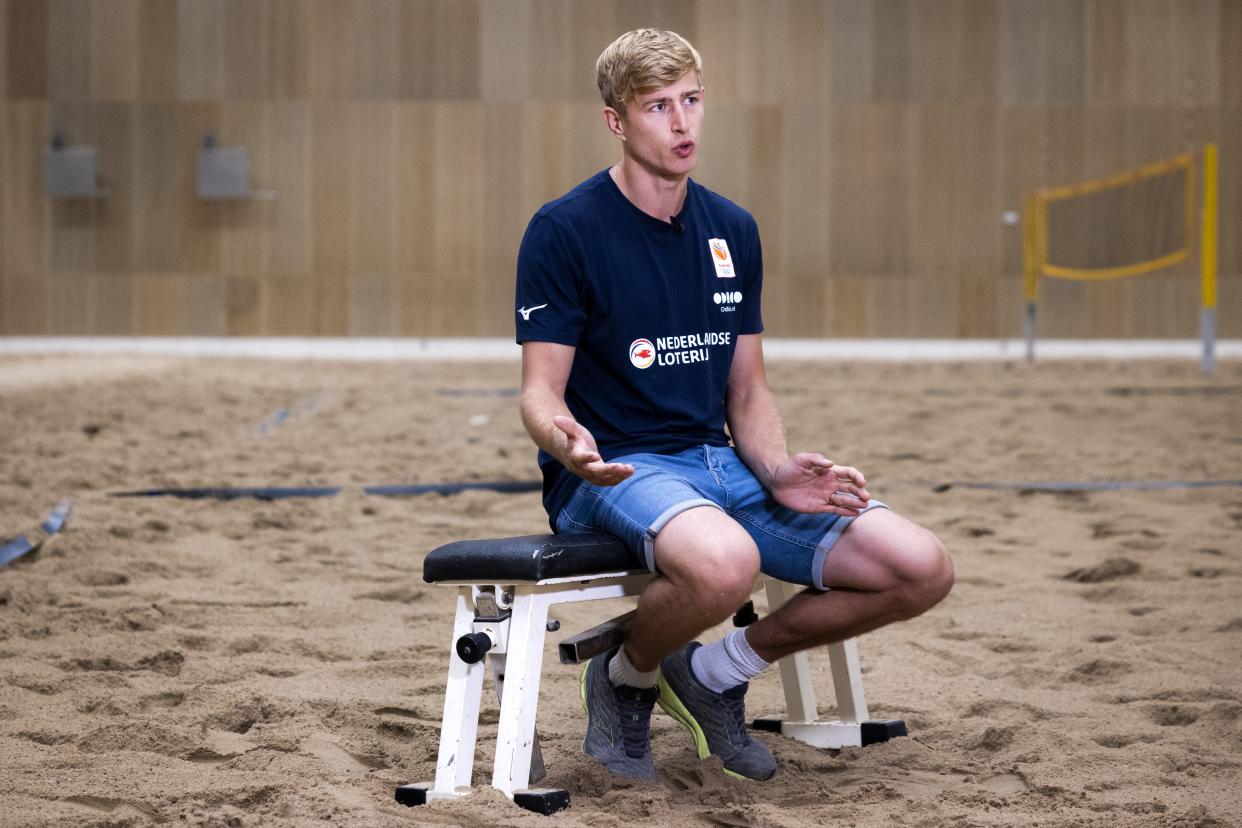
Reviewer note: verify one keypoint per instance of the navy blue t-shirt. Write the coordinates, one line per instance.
(654, 309)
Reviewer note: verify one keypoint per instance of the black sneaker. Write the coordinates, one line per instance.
(716, 720)
(618, 721)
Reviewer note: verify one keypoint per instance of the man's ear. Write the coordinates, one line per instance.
(614, 122)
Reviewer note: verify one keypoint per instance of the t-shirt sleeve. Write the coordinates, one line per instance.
(550, 305)
(752, 282)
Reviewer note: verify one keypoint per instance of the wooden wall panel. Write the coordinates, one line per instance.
(414, 174)
(955, 51)
(844, 307)
(69, 46)
(1108, 51)
(594, 26)
(354, 49)
(956, 214)
(288, 43)
(1064, 55)
(95, 304)
(23, 303)
(892, 41)
(870, 180)
(73, 222)
(762, 52)
(1195, 67)
(656, 14)
(245, 232)
(114, 51)
(457, 193)
(287, 308)
(505, 218)
(206, 299)
(243, 316)
(797, 241)
(330, 188)
(160, 304)
(719, 32)
(765, 187)
(1149, 35)
(1230, 199)
(158, 50)
(4, 46)
(504, 42)
(438, 50)
(850, 49)
(283, 164)
(246, 48)
(1229, 35)
(201, 30)
(111, 303)
(372, 197)
(26, 52)
(978, 52)
(4, 154)
(201, 222)
(1023, 40)
(23, 209)
(1104, 306)
(371, 311)
(409, 141)
(69, 303)
(113, 217)
(547, 61)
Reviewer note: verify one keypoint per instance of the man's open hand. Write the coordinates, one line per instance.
(812, 483)
(583, 455)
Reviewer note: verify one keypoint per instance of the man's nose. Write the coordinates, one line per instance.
(679, 120)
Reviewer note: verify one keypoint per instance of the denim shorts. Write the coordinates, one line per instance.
(792, 545)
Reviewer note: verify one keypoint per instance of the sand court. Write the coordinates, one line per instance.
(251, 662)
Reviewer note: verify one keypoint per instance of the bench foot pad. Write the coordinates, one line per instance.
(834, 735)
(540, 800)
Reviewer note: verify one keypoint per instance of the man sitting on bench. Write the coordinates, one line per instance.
(638, 313)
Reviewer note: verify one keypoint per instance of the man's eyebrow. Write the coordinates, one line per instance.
(667, 98)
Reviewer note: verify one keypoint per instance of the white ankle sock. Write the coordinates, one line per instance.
(726, 663)
(621, 671)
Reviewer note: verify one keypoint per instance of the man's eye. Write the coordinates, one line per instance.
(657, 107)
(692, 99)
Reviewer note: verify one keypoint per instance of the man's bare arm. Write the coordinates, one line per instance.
(806, 482)
(545, 371)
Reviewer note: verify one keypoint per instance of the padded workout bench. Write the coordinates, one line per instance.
(504, 590)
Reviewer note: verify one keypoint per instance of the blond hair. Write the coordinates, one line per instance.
(641, 61)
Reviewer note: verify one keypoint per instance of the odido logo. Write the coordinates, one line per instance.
(642, 353)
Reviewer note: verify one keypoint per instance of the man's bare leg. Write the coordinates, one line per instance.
(708, 565)
(883, 569)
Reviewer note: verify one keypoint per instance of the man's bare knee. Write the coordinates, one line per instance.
(885, 553)
(924, 574)
(709, 556)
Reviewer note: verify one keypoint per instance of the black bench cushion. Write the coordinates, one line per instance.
(528, 558)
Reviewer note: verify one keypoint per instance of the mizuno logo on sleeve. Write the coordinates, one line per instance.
(526, 312)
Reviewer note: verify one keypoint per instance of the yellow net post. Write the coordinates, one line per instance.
(1207, 260)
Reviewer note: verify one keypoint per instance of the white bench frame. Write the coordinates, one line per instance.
(516, 658)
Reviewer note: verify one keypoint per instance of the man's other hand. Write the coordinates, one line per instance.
(583, 455)
(810, 482)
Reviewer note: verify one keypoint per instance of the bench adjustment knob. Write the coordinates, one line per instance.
(473, 646)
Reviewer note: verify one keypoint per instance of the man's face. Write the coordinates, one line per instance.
(661, 128)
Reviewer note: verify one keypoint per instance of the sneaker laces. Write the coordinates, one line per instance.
(734, 701)
(634, 706)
